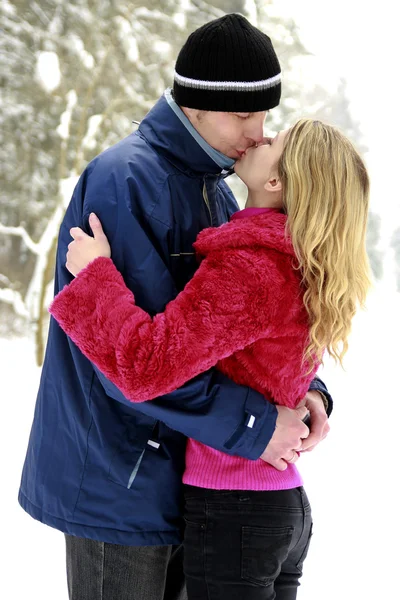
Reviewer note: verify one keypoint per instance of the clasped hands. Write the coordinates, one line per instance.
(292, 436)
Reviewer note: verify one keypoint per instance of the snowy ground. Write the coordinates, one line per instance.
(350, 479)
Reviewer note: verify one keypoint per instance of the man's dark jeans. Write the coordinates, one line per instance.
(245, 545)
(101, 571)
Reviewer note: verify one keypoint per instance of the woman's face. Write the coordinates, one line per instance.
(259, 164)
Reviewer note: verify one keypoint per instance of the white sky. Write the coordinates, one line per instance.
(359, 41)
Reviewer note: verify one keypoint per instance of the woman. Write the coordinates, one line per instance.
(277, 286)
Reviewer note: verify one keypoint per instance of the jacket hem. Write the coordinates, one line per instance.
(100, 534)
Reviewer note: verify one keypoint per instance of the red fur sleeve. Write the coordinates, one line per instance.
(226, 306)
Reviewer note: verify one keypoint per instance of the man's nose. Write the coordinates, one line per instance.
(255, 130)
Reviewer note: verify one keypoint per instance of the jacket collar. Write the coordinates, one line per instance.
(166, 132)
(223, 161)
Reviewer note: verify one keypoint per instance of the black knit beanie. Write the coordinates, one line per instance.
(228, 65)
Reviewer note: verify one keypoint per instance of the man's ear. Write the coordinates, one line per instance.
(273, 184)
(193, 114)
(189, 112)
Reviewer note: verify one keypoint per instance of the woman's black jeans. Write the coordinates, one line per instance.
(242, 545)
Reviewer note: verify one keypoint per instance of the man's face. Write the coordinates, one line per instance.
(230, 133)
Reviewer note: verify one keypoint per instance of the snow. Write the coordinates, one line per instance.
(251, 11)
(163, 48)
(29, 544)
(30, 306)
(349, 478)
(48, 71)
(66, 188)
(14, 298)
(20, 232)
(32, 299)
(56, 25)
(94, 122)
(78, 45)
(127, 39)
(65, 120)
(145, 13)
(8, 8)
(180, 20)
(182, 8)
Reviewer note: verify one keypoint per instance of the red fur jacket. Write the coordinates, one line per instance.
(242, 311)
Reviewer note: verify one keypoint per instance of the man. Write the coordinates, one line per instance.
(106, 473)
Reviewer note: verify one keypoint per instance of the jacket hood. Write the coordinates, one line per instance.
(265, 230)
(168, 135)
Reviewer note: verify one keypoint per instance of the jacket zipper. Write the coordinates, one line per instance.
(206, 200)
(150, 442)
(135, 470)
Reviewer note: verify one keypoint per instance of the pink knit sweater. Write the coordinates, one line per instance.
(241, 312)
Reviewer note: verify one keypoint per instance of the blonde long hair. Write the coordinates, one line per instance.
(326, 195)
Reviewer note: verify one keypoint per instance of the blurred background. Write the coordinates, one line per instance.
(75, 75)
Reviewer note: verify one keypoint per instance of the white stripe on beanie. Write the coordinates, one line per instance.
(232, 86)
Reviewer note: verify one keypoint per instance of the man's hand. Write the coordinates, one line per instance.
(319, 420)
(290, 431)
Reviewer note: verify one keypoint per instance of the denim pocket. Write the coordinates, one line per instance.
(194, 539)
(264, 549)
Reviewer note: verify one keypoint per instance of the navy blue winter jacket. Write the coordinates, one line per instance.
(96, 466)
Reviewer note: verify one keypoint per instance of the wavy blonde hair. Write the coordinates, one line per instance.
(325, 188)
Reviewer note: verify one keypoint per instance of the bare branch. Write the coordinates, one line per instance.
(23, 234)
(4, 280)
(208, 9)
(15, 299)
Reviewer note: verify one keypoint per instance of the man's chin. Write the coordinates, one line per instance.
(233, 154)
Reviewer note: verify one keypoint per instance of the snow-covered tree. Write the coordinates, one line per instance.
(395, 244)
(76, 73)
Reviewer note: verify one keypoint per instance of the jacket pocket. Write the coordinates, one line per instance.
(128, 456)
(264, 549)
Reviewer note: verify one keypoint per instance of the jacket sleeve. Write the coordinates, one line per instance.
(318, 385)
(221, 310)
(210, 408)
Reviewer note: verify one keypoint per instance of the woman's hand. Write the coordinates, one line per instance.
(84, 248)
